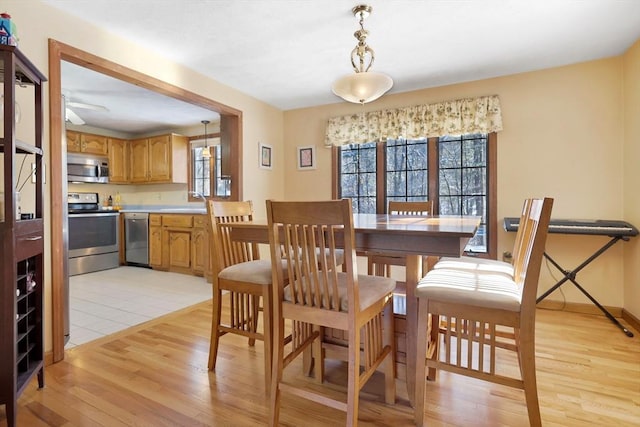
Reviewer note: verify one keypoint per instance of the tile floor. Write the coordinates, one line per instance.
(108, 301)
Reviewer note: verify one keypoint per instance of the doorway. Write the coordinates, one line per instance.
(231, 124)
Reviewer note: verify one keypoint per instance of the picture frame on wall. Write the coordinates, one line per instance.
(307, 158)
(265, 156)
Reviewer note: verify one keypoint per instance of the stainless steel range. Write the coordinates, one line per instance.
(93, 235)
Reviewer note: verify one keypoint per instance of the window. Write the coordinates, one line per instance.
(201, 171)
(456, 172)
(206, 178)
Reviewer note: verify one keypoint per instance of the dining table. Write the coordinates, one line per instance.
(411, 236)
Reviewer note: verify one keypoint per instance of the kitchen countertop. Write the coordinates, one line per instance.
(193, 210)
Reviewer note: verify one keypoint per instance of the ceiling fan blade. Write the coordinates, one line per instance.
(73, 117)
(93, 107)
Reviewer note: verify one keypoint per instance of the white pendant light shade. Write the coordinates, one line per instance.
(206, 153)
(362, 87)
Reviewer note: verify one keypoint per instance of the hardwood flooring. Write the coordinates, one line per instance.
(155, 374)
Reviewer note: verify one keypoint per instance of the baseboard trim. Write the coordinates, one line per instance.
(575, 307)
(632, 320)
(48, 358)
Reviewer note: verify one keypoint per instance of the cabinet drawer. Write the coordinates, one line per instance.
(29, 238)
(200, 221)
(177, 221)
(155, 220)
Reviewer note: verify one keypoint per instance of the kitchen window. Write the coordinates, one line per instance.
(206, 177)
(458, 173)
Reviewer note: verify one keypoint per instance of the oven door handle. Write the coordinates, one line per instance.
(85, 215)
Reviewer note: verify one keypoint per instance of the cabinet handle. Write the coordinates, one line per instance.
(31, 239)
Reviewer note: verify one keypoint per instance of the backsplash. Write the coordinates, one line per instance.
(140, 195)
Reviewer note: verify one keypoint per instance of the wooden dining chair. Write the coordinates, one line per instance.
(485, 264)
(479, 316)
(379, 264)
(239, 271)
(323, 296)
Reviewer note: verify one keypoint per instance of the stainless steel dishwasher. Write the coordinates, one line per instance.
(136, 233)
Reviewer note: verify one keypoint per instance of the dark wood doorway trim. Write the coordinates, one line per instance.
(59, 246)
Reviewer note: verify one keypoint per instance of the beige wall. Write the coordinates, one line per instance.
(562, 137)
(37, 22)
(631, 89)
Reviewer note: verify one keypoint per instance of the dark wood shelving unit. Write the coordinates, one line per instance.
(22, 261)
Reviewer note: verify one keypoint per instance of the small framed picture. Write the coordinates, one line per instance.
(265, 156)
(306, 158)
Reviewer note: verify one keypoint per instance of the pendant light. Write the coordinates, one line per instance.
(363, 86)
(206, 154)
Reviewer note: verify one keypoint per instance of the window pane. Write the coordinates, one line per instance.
(463, 180)
(201, 179)
(407, 172)
(450, 205)
(417, 183)
(474, 181)
(450, 182)
(475, 153)
(358, 176)
(449, 152)
(396, 185)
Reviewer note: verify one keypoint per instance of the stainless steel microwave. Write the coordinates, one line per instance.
(87, 168)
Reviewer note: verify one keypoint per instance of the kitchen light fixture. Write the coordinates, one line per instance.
(363, 86)
(206, 154)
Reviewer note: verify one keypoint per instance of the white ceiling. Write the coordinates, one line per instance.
(288, 53)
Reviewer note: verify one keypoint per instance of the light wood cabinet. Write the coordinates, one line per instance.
(155, 241)
(118, 161)
(199, 245)
(138, 160)
(159, 159)
(73, 141)
(79, 142)
(179, 243)
(179, 252)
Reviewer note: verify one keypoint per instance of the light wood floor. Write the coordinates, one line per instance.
(155, 375)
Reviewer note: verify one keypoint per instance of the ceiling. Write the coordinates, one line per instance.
(288, 53)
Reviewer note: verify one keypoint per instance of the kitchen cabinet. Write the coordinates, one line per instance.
(155, 241)
(159, 159)
(179, 252)
(22, 240)
(79, 142)
(178, 243)
(118, 150)
(199, 245)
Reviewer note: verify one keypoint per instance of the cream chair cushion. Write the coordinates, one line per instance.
(479, 288)
(372, 289)
(258, 272)
(477, 264)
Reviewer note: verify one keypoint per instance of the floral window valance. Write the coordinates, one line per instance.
(462, 116)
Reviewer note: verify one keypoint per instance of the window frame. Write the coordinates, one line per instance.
(191, 196)
(433, 185)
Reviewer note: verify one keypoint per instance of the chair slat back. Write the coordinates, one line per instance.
(410, 208)
(522, 235)
(227, 252)
(529, 259)
(306, 236)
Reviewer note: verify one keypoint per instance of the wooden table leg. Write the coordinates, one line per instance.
(413, 275)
